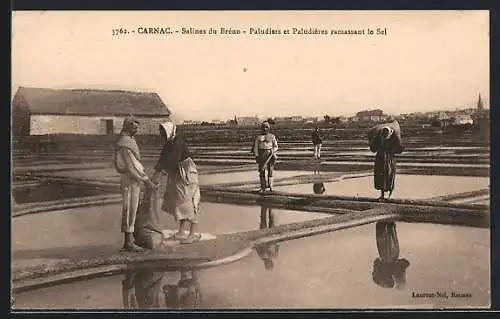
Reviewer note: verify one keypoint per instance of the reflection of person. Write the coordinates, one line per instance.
(182, 194)
(317, 168)
(264, 149)
(317, 141)
(127, 163)
(141, 289)
(386, 144)
(186, 294)
(319, 188)
(388, 270)
(148, 289)
(267, 252)
(144, 289)
(128, 293)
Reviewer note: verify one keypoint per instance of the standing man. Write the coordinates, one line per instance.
(317, 141)
(264, 150)
(127, 163)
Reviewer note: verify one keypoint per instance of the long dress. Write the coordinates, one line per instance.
(148, 287)
(186, 294)
(182, 192)
(385, 163)
(388, 269)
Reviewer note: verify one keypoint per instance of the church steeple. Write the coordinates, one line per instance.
(480, 105)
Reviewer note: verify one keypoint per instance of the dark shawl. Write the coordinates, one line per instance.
(385, 163)
(173, 152)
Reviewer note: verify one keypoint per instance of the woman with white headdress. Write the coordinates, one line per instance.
(386, 143)
(182, 191)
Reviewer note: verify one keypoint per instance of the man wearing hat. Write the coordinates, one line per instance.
(317, 141)
(127, 163)
(264, 150)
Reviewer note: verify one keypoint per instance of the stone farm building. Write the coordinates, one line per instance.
(41, 111)
(371, 115)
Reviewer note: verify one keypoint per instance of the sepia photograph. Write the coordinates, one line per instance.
(262, 160)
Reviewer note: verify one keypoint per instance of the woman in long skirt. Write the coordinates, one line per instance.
(182, 194)
(386, 145)
(389, 270)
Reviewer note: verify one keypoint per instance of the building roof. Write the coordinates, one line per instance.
(370, 113)
(89, 102)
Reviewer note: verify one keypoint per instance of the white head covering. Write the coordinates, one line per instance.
(390, 131)
(170, 129)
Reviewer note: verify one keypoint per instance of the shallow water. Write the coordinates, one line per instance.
(87, 230)
(53, 190)
(406, 186)
(333, 270)
(99, 174)
(109, 175)
(410, 164)
(245, 176)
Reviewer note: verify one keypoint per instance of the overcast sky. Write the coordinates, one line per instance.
(428, 60)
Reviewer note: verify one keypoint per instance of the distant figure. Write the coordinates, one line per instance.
(388, 270)
(127, 163)
(317, 141)
(182, 194)
(264, 150)
(386, 144)
(267, 252)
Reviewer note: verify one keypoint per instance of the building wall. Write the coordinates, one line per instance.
(20, 121)
(460, 120)
(248, 121)
(91, 125)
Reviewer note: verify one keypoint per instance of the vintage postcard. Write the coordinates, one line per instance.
(250, 160)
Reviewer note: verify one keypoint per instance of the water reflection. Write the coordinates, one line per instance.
(146, 289)
(267, 252)
(389, 271)
(186, 294)
(318, 187)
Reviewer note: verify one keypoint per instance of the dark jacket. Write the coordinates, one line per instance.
(173, 152)
(316, 138)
